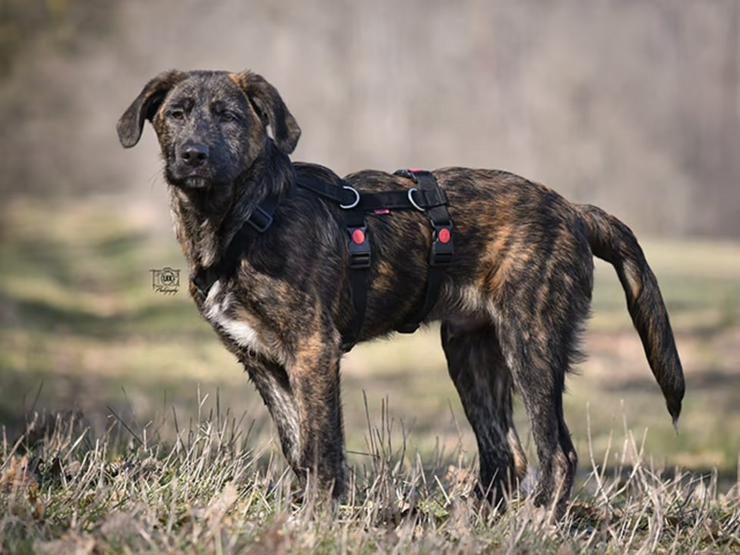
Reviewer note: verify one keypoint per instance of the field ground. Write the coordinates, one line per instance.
(83, 334)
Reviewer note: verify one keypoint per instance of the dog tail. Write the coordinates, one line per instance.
(613, 241)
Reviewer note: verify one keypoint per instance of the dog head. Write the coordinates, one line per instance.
(211, 125)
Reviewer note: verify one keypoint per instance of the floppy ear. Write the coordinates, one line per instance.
(271, 109)
(145, 106)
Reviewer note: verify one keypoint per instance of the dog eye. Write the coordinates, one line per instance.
(228, 116)
(176, 113)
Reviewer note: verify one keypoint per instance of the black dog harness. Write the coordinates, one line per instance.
(426, 197)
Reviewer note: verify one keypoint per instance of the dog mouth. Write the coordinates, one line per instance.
(190, 180)
(195, 182)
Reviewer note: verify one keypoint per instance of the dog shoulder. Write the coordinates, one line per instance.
(224, 313)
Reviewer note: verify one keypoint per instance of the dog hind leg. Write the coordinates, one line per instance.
(484, 384)
(538, 348)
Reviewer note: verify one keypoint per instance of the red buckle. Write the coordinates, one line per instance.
(359, 248)
(358, 236)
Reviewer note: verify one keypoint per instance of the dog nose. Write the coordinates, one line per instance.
(194, 154)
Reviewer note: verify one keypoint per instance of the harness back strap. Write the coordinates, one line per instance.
(348, 198)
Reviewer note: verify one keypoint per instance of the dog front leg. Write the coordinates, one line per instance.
(271, 380)
(314, 380)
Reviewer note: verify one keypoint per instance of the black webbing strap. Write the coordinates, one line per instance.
(260, 220)
(442, 249)
(358, 241)
(359, 271)
(421, 198)
(346, 196)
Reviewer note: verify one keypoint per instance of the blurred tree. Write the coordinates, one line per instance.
(625, 103)
(23, 21)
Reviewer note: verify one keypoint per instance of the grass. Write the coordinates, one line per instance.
(125, 376)
(65, 490)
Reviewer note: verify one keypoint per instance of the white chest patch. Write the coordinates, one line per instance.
(242, 333)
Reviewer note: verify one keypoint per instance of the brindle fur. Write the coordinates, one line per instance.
(511, 308)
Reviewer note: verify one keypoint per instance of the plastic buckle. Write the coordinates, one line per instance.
(260, 214)
(442, 247)
(359, 248)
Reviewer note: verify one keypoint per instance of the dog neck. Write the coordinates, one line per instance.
(206, 220)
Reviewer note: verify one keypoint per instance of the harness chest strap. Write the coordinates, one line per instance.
(440, 255)
(260, 221)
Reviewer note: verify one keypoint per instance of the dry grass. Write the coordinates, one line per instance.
(64, 490)
(82, 331)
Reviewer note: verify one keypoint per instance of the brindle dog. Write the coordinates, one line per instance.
(511, 309)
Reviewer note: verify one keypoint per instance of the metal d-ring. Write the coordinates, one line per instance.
(354, 202)
(412, 201)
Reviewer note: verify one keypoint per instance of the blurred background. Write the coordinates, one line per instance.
(631, 105)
